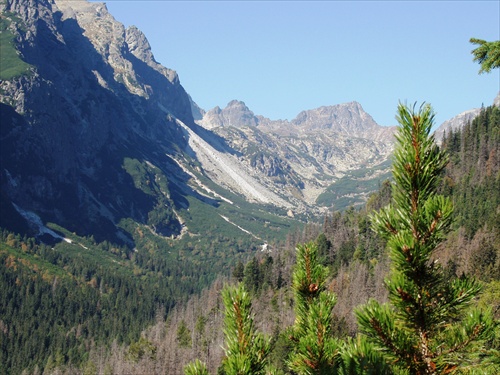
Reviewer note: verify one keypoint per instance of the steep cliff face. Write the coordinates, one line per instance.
(94, 98)
(97, 133)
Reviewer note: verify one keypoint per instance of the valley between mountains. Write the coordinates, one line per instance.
(121, 198)
(104, 123)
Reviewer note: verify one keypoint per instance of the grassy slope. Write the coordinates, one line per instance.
(11, 65)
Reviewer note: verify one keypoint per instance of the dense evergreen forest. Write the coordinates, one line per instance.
(85, 307)
(58, 301)
(472, 179)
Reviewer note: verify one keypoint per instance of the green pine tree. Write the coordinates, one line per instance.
(239, 272)
(183, 337)
(315, 349)
(246, 349)
(429, 326)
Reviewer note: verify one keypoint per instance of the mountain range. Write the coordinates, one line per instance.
(96, 134)
(122, 201)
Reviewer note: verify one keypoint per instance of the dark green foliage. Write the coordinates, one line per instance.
(381, 198)
(324, 246)
(428, 327)
(183, 335)
(140, 349)
(252, 276)
(258, 274)
(348, 237)
(238, 272)
(487, 54)
(54, 302)
(472, 178)
(56, 316)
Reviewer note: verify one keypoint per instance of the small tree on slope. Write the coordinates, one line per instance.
(428, 327)
(315, 349)
(246, 349)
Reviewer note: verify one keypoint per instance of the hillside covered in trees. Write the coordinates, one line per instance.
(353, 254)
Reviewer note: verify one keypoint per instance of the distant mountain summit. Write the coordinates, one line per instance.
(305, 156)
(349, 119)
(235, 114)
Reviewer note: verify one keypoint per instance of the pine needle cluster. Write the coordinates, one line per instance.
(487, 54)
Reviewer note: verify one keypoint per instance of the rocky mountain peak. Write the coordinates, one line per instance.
(347, 118)
(238, 114)
(235, 114)
(138, 45)
(123, 49)
(301, 164)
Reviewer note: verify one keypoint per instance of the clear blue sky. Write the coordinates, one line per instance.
(282, 57)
